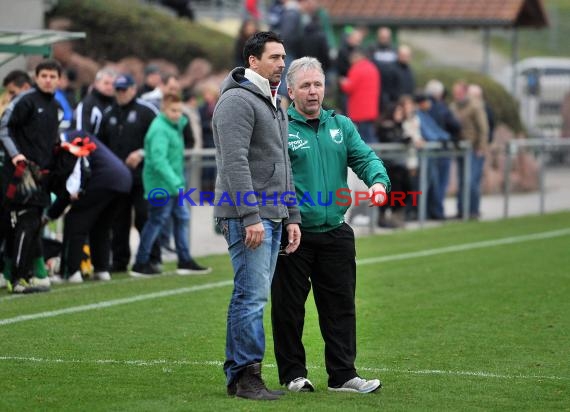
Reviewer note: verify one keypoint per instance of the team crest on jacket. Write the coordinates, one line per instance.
(132, 117)
(336, 135)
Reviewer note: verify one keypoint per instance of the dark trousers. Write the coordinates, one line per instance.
(90, 218)
(4, 229)
(327, 261)
(400, 181)
(122, 227)
(23, 243)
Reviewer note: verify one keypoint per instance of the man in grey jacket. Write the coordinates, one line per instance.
(253, 190)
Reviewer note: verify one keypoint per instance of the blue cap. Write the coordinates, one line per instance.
(124, 81)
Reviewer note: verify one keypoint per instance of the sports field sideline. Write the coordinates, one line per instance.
(467, 316)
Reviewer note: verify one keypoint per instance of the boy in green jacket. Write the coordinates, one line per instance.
(163, 176)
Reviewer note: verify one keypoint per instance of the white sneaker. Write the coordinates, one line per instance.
(75, 278)
(358, 385)
(2, 281)
(20, 287)
(104, 276)
(56, 279)
(300, 385)
(43, 282)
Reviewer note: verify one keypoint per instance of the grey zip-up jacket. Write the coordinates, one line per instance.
(250, 134)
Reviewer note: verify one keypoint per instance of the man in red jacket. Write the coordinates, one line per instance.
(362, 87)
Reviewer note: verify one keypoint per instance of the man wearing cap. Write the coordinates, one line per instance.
(123, 129)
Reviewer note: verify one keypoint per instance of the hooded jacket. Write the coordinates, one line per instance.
(250, 135)
(164, 155)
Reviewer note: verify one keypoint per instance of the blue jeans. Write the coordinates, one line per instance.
(366, 131)
(443, 167)
(158, 217)
(477, 163)
(438, 180)
(253, 272)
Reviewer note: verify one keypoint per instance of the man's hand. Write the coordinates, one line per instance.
(294, 236)
(377, 193)
(254, 235)
(134, 159)
(18, 158)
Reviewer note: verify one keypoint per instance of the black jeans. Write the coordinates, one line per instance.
(90, 218)
(327, 261)
(122, 227)
(4, 230)
(23, 243)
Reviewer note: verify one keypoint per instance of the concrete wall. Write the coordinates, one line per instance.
(20, 15)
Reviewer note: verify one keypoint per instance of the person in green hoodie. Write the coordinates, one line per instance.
(321, 145)
(163, 176)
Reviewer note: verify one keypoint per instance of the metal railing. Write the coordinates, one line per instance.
(541, 148)
(430, 150)
(196, 159)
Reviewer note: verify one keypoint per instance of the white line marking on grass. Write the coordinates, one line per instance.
(74, 287)
(465, 246)
(91, 284)
(480, 374)
(162, 362)
(366, 261)
(114, 302)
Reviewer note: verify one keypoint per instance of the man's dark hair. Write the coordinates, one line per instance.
(255, 45)
(18, 77)
(167, 76)
(49, 64)
(188, 93)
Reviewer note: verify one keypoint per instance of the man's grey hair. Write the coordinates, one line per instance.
(435, 88)
(106, 71)
(302, 64)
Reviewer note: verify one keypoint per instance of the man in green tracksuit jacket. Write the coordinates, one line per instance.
(322, 145)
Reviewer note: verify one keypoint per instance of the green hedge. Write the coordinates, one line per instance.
(503, 104)
(116, 29)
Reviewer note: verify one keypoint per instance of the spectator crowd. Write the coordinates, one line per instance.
(93, 154)
(95, 166)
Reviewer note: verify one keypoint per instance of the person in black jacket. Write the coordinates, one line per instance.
(390, 130)
(123, 129)
(89, 111)
(29, 133)
(15, 83)
(403, 80)
(353, 38)
(92, 211)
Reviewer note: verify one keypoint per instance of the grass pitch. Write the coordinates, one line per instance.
(467, 316)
